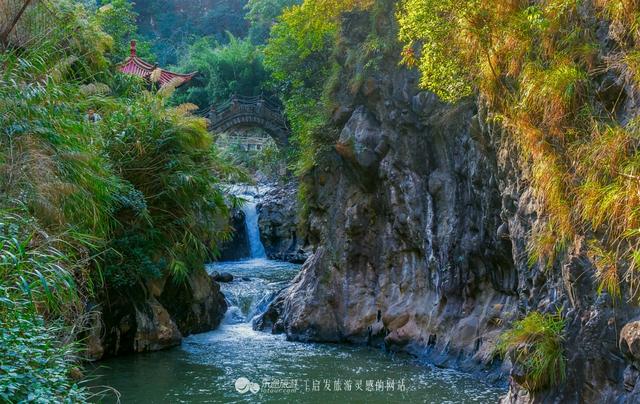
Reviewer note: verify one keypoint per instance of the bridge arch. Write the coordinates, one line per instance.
(256, 112)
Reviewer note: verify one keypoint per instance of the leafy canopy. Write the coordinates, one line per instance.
(234, 68)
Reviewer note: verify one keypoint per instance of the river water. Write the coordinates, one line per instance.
(235, 364)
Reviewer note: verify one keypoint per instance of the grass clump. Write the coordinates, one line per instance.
(535, 344)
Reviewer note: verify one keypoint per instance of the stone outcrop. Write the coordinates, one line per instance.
(153, 317)
(238, 247)
(278, 222)
(420, 218)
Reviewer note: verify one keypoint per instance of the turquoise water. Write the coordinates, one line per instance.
(236, 364)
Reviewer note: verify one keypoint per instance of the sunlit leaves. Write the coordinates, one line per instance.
(538, 66)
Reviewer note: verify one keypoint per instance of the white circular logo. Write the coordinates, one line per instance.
(244, 385)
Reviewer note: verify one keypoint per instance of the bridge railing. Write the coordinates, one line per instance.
(243, 100)
(239, 105)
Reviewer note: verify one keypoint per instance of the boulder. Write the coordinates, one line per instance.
(152, 317)
(630, 341)
(278, 222)
(224, 277)
(238, 247)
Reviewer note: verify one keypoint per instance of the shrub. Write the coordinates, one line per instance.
(535, 344)
(76, 197)
(223, 70)
(34, 365)
(35, 277)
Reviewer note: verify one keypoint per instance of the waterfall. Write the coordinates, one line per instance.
(253, 231)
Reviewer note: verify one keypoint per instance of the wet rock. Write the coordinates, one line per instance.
(630, 340)
(278, 223)
(271, 319)
(196, 305)
(155, 329)
(630, 378)
(153, 317)
(238, 247)
(224, 277)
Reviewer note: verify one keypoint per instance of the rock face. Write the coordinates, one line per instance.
(420, 219)
(278, 223)
(154, 317)
(238, 247)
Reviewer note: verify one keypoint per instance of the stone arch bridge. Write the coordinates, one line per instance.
(250, 112)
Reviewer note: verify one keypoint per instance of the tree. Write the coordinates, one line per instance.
(118, 19)
(298, 55)
(263, 14)
(234, 68)
(173, 25)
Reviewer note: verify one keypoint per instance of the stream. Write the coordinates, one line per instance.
(235, 364)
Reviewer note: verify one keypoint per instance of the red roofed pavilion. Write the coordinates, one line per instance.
(141, 68)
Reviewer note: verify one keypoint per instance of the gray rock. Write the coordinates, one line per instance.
(224, 277)
(278, 223)
(630, 340)
(153, 317)
(238, 247)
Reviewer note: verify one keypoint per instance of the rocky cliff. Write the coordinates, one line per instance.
(154, 316)
(420, 215)
(278, 222)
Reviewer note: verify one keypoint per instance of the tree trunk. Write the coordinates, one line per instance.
(4, 37)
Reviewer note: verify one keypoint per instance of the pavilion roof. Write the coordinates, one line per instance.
(141, 68)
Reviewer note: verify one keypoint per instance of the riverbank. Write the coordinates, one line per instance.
(205, 367)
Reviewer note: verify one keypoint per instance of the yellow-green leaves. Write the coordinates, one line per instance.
(539, 66)
(535, 343)
(433, 26)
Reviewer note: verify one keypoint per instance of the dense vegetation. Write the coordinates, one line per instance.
(262, 14)
(86, 206)
(171, 25)
(224, 70)
(109, 204)
(547, 80)
(299, 56)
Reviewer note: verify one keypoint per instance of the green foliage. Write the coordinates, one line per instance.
(299, 56)
(34, 366)
(538, 66)
(234, 68)
(269, 160)
(118, 19)
(35, 276)
(535, 344)
(171, 26)
(262, 14)
(168, 158)
(78, 199)
(52, 162)
(33, 264)
(431, 23)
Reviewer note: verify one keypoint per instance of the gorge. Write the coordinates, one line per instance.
(284, 370)
(443, 204)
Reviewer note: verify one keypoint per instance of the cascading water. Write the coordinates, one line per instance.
(207, 367)
(253, 231)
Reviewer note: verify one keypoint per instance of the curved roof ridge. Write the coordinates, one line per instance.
(139, 67)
